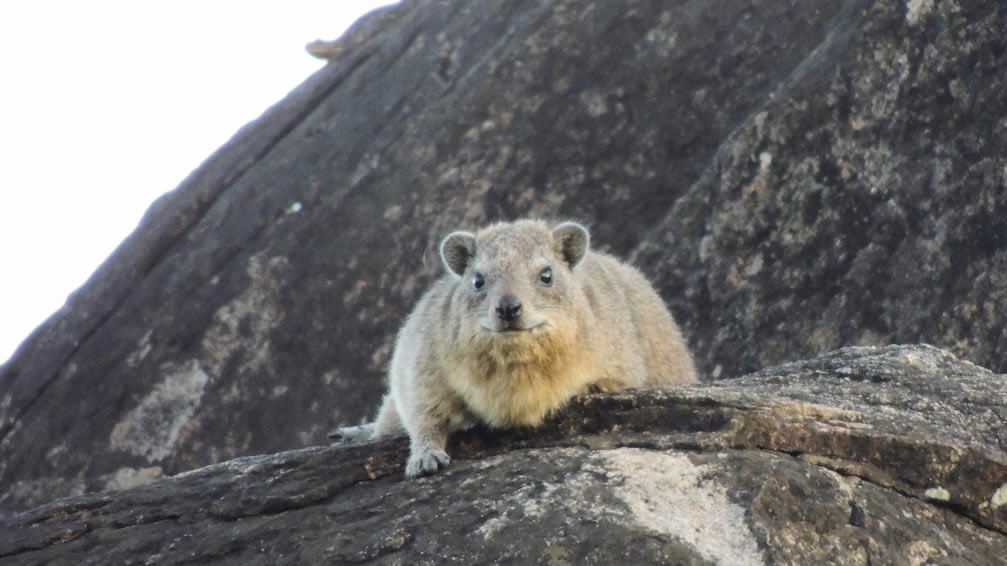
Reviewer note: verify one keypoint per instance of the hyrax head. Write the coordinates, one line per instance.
(516, 279)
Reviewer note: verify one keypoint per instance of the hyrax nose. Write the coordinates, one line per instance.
(509, 308)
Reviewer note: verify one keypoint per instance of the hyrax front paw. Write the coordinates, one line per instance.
(426, 461)
(352, 433)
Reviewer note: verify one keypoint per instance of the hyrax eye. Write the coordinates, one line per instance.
(546, 276)
(478, 281)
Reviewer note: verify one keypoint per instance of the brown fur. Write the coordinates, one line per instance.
(459, 360)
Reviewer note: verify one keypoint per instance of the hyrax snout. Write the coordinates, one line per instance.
(508, 310)
(524, 318)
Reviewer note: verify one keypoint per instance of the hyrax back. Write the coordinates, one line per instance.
(525, 318)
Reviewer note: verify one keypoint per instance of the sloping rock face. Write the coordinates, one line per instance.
(863, 456)
(866, 204)
(794, 176)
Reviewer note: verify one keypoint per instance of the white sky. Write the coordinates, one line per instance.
(106, 105)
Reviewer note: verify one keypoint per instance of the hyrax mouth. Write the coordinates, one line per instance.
(508, 328)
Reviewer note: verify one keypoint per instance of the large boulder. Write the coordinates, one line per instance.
(861, 456)
(865, 204)
(794, 176)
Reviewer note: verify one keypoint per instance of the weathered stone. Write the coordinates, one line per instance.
(865, 204)
(829, 461)
(794, 176)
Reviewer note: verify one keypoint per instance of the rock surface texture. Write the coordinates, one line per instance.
(793, 176)
(862, 456)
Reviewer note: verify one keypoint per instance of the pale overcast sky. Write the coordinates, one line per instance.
(106, 105)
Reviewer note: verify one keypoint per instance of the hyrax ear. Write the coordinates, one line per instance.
(571, 241)
(457, 251)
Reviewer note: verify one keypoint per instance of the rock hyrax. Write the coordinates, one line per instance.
(525, 318)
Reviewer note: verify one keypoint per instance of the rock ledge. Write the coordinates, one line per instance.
(863, 455)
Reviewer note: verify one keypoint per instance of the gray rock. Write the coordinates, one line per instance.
(794, 176)
(865, 204)
(862, 456)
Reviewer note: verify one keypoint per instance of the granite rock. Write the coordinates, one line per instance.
(793, 176)
(861, 456)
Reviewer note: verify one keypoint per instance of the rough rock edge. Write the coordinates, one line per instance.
(158, 232)
(911, 419)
